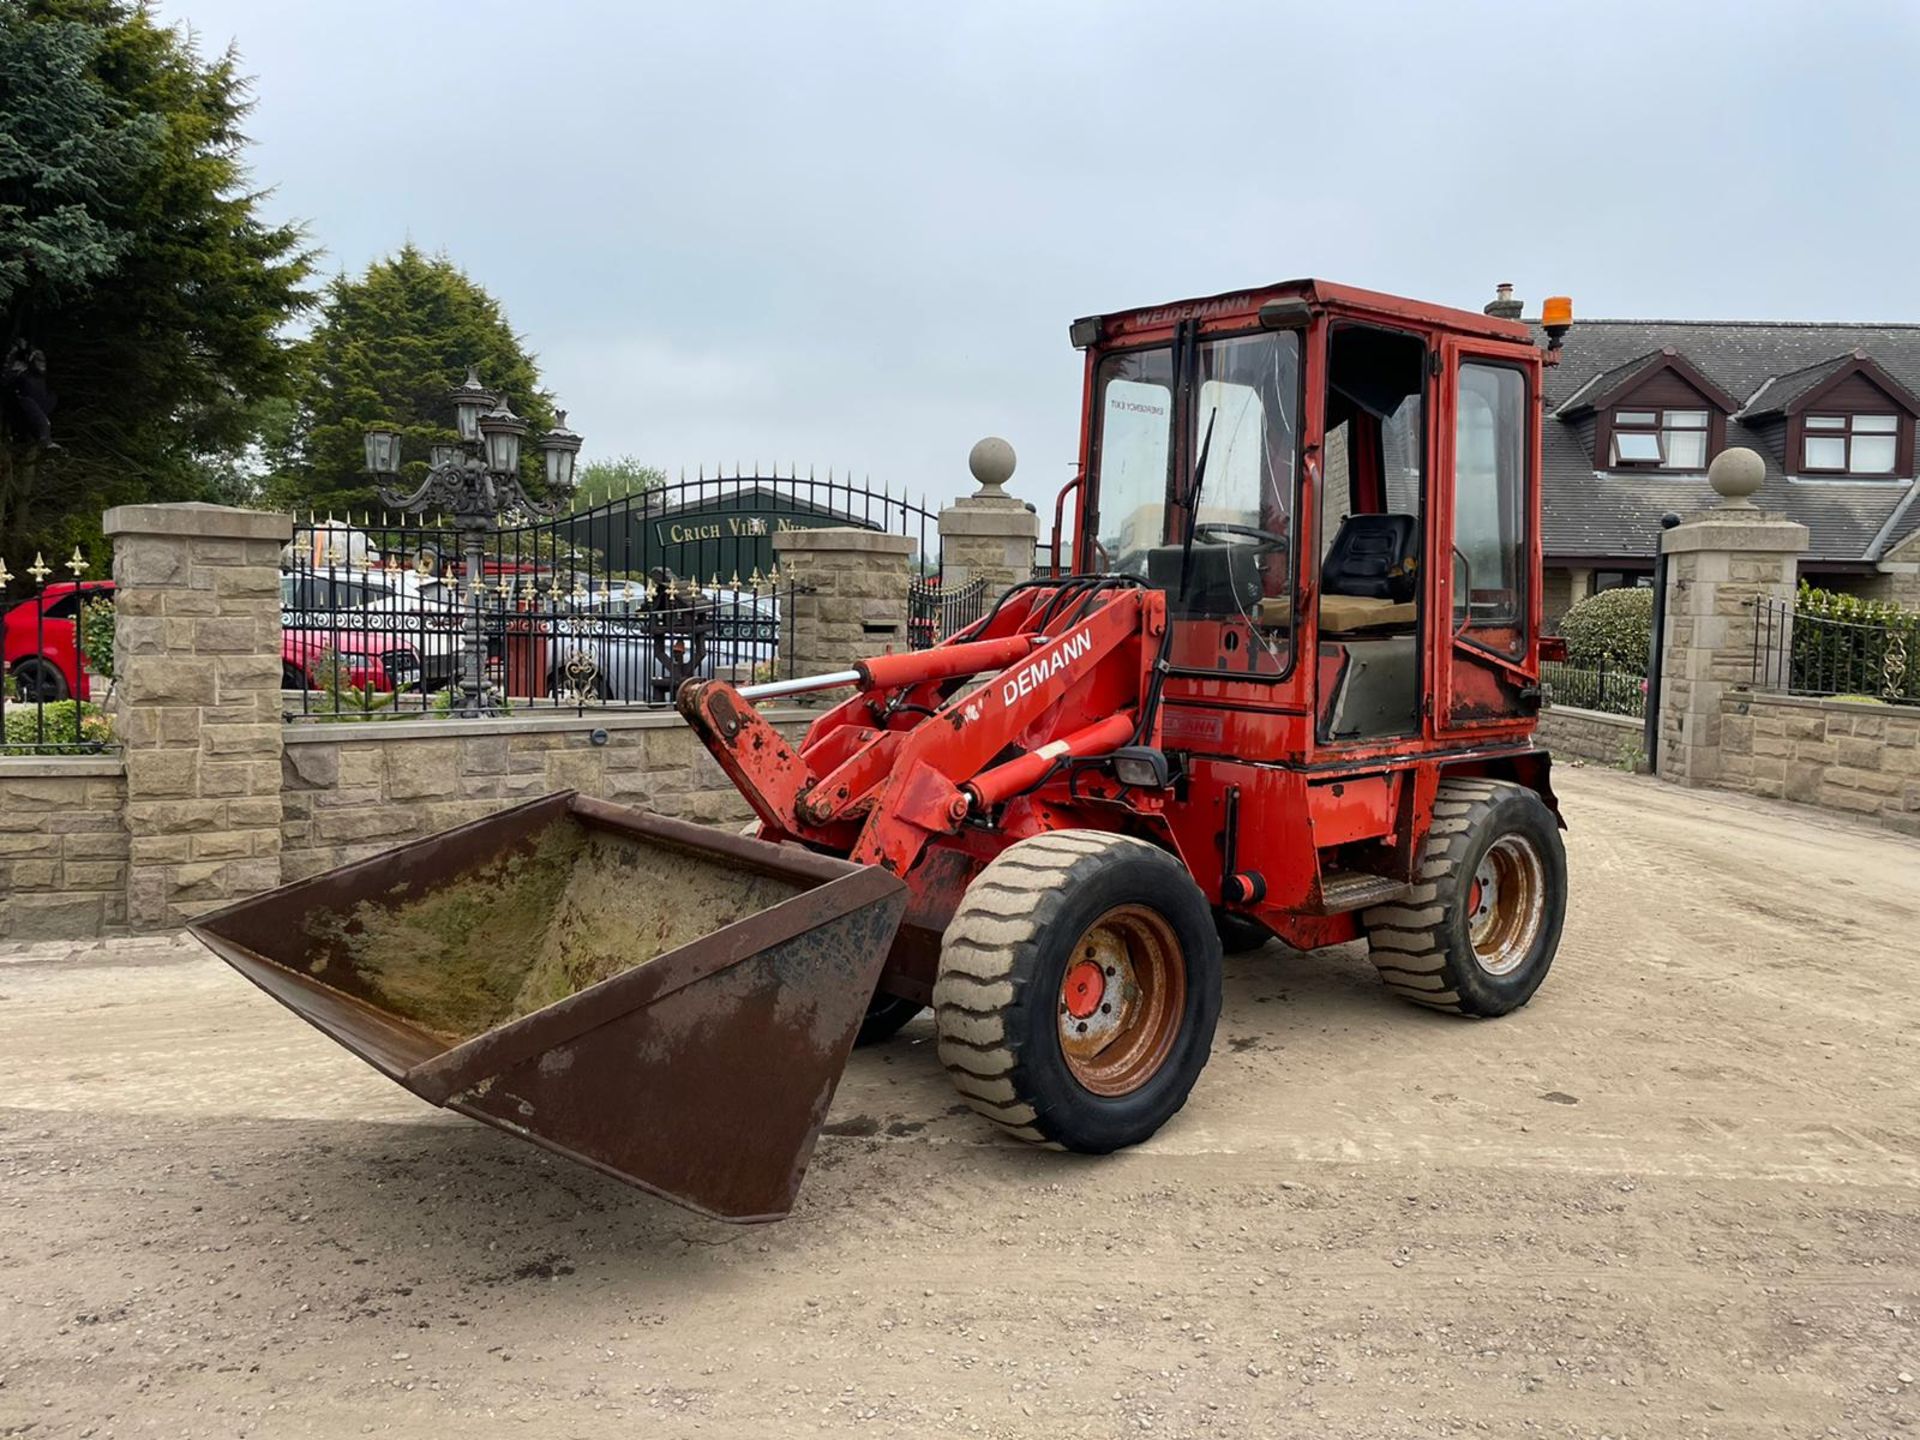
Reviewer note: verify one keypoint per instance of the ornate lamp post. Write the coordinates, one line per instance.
(477, 482)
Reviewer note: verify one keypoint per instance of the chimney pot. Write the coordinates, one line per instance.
(1503, 306)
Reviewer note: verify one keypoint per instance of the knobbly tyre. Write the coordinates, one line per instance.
(1286, 687)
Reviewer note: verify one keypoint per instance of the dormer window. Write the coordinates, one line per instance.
(1661, 439)
(1843, 418)
(1850, 444)
(1657, 412)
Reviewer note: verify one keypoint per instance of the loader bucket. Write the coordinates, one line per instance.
(667, 1003)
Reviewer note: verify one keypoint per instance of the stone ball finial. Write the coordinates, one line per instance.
(991, 462)
(1735, 476)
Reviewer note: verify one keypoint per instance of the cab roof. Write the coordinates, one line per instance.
(1236, 307)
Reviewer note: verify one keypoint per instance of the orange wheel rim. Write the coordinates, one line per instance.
(1121, 1000)
(1507, 904)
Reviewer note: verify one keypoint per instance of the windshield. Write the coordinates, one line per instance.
(1244, 413)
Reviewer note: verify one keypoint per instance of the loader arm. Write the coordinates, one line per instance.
(919, 749)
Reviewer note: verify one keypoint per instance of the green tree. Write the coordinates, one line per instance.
(617, 479)
(132, 255)
(389, 346)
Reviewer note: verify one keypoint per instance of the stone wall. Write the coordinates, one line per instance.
(63, 848)
(1859, 759)
(1576, 734)
(354, 789)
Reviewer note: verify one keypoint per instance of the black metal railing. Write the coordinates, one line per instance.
(934, 613)
(612, 606)
(56, 672)
(1802, 652)
(1607, 686)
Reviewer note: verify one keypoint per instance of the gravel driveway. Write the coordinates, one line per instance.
(1678, 1195)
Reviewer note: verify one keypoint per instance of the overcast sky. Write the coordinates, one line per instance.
(853, 234)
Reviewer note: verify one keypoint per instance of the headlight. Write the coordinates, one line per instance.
(1140, 767)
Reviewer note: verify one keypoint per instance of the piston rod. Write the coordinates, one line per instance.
(799, 685)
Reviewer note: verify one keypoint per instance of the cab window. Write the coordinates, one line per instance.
(1489, 507)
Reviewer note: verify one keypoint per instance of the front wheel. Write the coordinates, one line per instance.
(1238, 934)
(886, 1016)
(1078, 990)
(1478, 934)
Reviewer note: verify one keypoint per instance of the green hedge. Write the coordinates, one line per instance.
(96, 635)
(1615, 626)
(72, 724)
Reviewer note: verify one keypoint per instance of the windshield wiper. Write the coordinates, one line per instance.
(1193, 505)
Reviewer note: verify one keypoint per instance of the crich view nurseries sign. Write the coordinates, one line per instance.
(724, 534)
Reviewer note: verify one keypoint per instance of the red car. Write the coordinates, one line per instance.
(41, 654)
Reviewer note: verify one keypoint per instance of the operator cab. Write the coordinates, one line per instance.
(1284, 464)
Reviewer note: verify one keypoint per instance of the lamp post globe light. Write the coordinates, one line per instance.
(476, 481)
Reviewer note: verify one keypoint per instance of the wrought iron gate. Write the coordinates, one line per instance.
(616, 604)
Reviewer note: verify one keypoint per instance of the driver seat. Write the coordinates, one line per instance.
(1367, 554)
(1366, 580)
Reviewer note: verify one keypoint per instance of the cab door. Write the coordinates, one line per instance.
(1485, 600)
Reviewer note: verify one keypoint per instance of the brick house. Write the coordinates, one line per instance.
(1637, 408)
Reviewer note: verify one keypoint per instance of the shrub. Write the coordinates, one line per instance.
(444, 697)
(74, 724)
(1833, 605)
(96, 635)
(1614, 627)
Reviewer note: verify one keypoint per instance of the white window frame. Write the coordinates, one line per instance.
(1661, 428)
(1844, 426)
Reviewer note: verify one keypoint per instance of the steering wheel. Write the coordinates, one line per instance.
(1265, 542)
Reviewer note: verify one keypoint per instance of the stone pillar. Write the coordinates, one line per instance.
(1720, 562)
(197, 703)
(989, 534)
(849, 597)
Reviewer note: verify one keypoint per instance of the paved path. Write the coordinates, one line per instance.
(1678, 1195)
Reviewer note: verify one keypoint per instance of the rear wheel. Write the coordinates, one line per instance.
(1479, 932)
(1079, 988)
(37, 681)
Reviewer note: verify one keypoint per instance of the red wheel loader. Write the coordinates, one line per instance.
(1286, 688)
